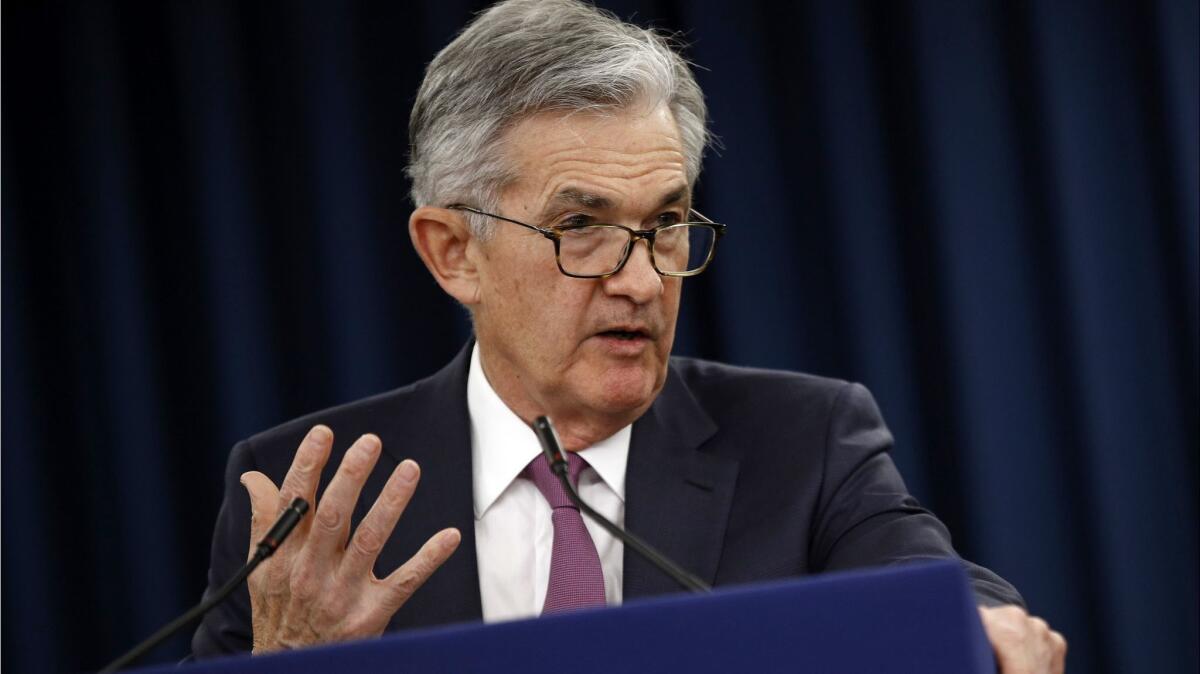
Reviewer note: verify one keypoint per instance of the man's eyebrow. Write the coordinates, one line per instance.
(571, 196)
(681, 195)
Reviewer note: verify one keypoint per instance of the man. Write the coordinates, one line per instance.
(554, 150)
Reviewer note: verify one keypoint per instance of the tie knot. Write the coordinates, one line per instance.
(547, 482)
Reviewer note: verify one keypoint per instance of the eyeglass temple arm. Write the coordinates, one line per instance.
(548, 233)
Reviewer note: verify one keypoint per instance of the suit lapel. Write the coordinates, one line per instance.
(677, 498)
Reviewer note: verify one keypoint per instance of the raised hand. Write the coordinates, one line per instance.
(316, 588)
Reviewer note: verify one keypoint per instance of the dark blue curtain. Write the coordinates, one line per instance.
(985, 211)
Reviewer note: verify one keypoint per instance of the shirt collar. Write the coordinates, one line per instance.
(502, 445)
(608, 457)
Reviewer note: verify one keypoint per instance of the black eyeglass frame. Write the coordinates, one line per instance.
(555, 235)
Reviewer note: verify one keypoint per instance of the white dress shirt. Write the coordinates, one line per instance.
(514, 534)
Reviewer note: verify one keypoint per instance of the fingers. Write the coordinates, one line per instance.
(322, 590)
(1058, 663)
(331, 523)
(1023, 643)
(407, 579)
(305, 472)
(263, 498)
(1005, 627)
(374, 529)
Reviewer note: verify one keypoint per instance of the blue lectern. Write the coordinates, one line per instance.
(916, 618)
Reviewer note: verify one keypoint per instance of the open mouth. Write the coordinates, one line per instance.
(626, 335)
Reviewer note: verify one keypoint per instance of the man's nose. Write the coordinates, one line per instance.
(637, 280)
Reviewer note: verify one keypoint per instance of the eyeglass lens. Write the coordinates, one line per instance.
(598, 249)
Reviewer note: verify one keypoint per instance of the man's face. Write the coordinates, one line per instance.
(582, 348)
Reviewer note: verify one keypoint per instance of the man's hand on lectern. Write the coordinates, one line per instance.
(316, 588)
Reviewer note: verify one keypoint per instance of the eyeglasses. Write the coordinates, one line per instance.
(601, 250)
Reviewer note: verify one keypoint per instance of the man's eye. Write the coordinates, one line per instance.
(669, 219)
(574, 220)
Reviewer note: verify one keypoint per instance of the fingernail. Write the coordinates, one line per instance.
(320, 433)
(369, 442)
(408, 470)
(451, 538)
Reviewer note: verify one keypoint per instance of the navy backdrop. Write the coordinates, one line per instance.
(986, 212)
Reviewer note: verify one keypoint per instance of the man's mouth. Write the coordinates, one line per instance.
(627, 335)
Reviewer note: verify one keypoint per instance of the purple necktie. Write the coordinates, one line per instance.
(576, 579)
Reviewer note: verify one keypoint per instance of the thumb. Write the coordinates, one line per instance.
(264, 502)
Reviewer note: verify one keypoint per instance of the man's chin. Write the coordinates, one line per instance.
(620, 391)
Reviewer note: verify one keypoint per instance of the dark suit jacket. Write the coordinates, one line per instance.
(739, 475)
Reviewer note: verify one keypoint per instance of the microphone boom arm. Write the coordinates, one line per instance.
(553, 452)
(274, 538)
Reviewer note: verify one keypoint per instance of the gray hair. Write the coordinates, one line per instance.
(522, 57)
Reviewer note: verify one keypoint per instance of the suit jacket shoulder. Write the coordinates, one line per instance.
(816, 488)
(736, 396)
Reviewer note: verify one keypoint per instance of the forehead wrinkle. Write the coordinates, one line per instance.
(553, 173)
(608, 156)
(584, 171)
(592, 185)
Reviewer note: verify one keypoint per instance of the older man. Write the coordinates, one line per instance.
(554, 151)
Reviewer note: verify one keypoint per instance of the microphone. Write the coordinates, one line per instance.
(266, 547)
(552, 450)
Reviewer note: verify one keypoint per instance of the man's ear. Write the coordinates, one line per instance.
(442, 239)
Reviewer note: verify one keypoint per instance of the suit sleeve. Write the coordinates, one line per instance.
(867, 517)
(226, 628)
